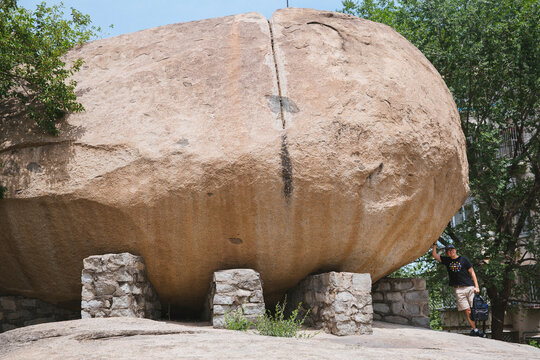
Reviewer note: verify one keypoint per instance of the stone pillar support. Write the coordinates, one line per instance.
(338, 302)
(116, 285)
(401, 301)
(233, 289)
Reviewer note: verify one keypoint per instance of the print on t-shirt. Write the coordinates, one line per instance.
(455, 266)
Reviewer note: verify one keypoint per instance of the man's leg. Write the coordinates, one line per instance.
(463, 304)
(468, 315)
(470, 297)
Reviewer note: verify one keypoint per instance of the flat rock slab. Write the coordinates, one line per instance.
(130, 338)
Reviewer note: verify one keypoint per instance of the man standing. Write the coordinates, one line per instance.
(463, 279)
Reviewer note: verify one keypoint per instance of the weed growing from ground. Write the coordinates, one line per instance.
(235, 320)
(277, 325)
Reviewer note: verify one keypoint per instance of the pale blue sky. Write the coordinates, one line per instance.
(133, 15)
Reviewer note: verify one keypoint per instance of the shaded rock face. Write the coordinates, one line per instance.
(312, 142)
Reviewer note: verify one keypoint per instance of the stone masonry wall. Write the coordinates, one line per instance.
(401, 301)
(116, 285)
(233, 289)
(17, 311)
(338, 302)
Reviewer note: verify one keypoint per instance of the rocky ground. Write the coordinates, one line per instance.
(129, 338)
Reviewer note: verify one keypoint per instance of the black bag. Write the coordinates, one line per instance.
(480, 309)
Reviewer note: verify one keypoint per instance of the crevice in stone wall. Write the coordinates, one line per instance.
(277, 74)
(286, 168)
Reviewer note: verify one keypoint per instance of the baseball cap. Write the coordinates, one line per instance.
(448, 247)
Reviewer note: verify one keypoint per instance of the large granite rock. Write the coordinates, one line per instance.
(314, 142)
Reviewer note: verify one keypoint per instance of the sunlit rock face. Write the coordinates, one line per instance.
(312, 142)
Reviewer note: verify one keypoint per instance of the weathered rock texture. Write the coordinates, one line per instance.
(115, 285)
(232, 290)
(17, 311)
(338, 303)
(314, 142)
(130, 338)
(401, 301)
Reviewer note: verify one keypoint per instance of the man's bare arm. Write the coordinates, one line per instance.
(473, 276)
(434, 252)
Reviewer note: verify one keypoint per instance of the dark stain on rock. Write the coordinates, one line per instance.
(209, 194)
(34, 167)
(275, 104)
(375, 172)
(236, 241)
(10, 168)
(286, 168)
(81, 92)
(183, 142)
(289, 105)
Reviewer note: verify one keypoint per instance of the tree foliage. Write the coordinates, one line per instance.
(488, 53)
(32, 71)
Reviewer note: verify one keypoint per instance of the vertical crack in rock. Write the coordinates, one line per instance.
(286, 165)
(286, 168)
(277, 75)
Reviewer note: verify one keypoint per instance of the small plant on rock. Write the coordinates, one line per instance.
(277, 325)
(236, 320)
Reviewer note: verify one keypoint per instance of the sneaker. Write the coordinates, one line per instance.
(481, 334)
(474, 332)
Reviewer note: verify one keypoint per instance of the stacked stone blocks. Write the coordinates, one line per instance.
(235, 289)
(401, 301)
(338, 302)
(18, 311)
(116, 285)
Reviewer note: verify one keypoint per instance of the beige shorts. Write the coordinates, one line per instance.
(464, 297)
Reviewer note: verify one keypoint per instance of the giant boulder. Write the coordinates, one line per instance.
(312, 142)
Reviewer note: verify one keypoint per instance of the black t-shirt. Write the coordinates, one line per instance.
(458, 270)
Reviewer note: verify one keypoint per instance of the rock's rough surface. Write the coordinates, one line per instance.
(235, 290)
(401, 301)
(115, 285)
(17, 311)
(202, 149)
(130, 338)
(338, 303)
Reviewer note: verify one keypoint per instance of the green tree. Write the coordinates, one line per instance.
(32, 71)
(488, 53)
(34, 79)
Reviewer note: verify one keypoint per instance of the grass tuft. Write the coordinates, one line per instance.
(236, 320)
(278, 325)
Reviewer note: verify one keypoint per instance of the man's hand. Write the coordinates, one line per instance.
(476, 290)
(434, 252)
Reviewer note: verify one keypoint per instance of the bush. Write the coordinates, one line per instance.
(236, 320)
(33, 73)
(277, 325)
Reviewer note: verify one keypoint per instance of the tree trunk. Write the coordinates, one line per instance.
(498, 309)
